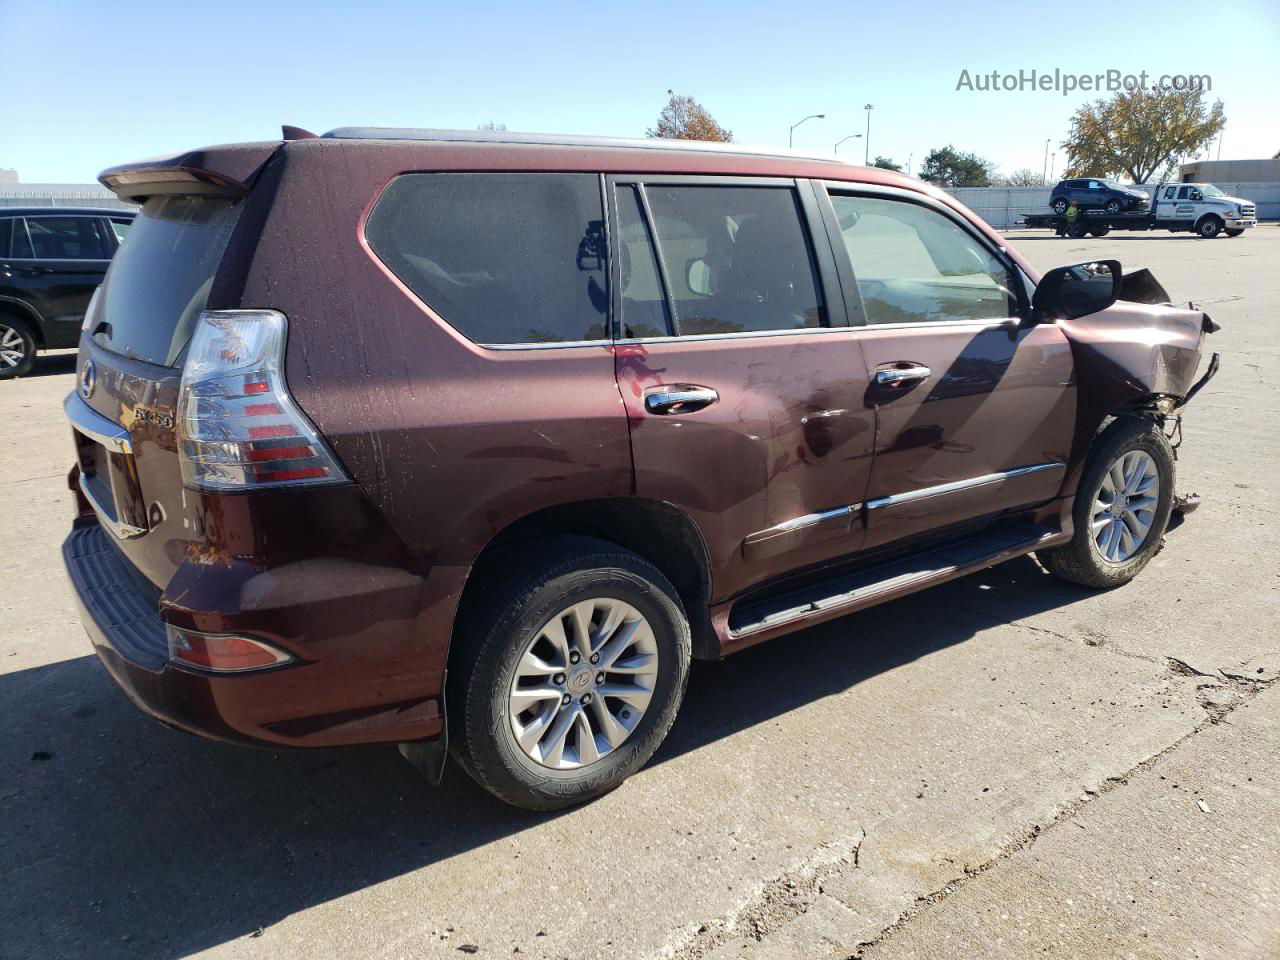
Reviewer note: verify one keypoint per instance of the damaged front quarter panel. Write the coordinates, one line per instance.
(1133, 357)
(1133, 350)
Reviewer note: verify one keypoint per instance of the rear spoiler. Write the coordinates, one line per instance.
(226, 172)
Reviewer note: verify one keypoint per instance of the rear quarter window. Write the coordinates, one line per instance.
(503, 258)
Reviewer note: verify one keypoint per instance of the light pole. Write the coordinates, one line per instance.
(1053, 160)
(866, 156)
(852, 136)
(791, 132)
(909, 157)
(1044, 174)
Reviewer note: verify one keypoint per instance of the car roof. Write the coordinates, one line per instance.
(570, 140)
(66, 211)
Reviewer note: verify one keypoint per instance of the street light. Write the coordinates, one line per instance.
(1044, 174)
(812, 116)
(852, 136)
(910, 157)
(866, 156)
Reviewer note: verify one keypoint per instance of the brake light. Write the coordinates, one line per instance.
(223, 652)
(238, 428)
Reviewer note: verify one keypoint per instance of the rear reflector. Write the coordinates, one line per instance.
(223, 652)
(238, 428)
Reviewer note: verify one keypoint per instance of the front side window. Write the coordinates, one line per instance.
(737, 259)
(120, 228)
(67, 238)
(503, 257)
(915, 265)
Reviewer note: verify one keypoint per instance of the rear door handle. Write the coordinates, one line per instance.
(675, 398)
(901, 376)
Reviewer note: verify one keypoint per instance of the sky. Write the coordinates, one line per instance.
(91, 84)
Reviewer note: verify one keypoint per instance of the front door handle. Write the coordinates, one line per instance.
(901, 376)
(675, 398)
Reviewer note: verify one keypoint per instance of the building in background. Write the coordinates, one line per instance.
(1213, 171)
(16, 194)
(8, 175)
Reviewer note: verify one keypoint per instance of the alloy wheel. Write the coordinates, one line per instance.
(13, 349)
(583, 683)
(1125, 506)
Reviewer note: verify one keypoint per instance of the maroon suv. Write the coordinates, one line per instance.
(468, 440)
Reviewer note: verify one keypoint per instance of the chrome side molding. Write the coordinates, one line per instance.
(957, 485)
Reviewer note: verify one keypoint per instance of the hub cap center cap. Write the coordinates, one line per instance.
(580, 680)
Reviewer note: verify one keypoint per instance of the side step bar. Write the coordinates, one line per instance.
(846, 592)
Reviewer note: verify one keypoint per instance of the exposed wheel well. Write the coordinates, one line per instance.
(657, 531)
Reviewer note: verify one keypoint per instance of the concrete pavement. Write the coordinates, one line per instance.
(973, 771)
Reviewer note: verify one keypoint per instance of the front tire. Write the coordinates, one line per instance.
(1209, 227)
(17, 347)
(1233, 232)
(1114, 207)
(1121, 507)
(566, 683)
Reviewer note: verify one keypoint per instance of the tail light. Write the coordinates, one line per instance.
(223, 652)
(238, 428)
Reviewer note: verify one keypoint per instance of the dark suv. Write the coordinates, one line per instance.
(1091, 193)
(475, 440)
(51, 261)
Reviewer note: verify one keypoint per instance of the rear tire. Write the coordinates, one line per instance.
(17, 347)
(1119, 518)
(1060, 206)
(537, 716)
(1101, 231)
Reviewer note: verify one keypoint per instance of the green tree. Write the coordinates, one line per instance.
(948, 167)
(684, 118)
(1138, 132)
(884, 163)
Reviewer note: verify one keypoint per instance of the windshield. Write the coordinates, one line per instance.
(1209, 190)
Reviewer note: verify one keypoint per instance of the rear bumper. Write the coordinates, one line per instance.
(380, 682)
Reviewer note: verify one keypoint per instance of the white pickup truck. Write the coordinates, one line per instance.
(1199, 208)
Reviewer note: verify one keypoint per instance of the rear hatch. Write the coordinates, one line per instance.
(132, 348)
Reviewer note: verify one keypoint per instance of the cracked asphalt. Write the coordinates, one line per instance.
(1000, 767)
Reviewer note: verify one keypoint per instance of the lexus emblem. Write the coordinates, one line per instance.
(88, 379)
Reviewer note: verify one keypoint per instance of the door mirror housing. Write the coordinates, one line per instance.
(1078, 290)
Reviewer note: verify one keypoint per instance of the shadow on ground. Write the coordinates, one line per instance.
(124, 838)
(52, 364)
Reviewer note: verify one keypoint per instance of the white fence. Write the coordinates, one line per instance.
(1002, 207)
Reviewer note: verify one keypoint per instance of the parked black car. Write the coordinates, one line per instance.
(51, 261)
(1090, 193)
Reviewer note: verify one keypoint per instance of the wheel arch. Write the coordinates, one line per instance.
(24, 311)
(656, 530)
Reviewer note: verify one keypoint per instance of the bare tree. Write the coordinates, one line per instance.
(492, 127)
(1022, 178)
(684, 118)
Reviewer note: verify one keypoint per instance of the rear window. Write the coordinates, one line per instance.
(159, 281)
(504, 258)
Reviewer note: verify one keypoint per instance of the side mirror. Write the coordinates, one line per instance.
(1079, 290)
